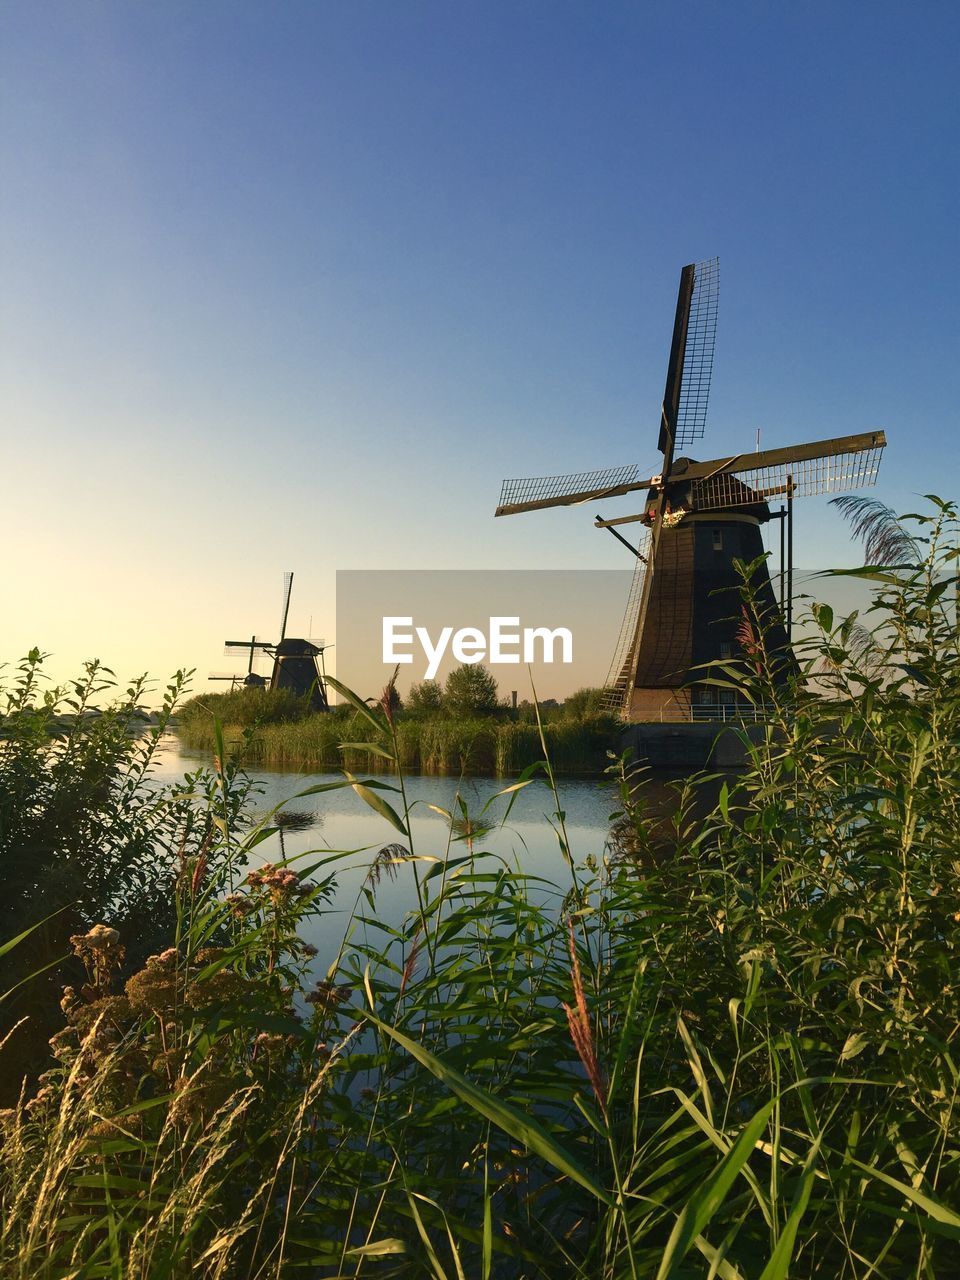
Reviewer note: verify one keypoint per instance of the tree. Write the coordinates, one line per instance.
(470, 691)
(425, 699)
(584, 703)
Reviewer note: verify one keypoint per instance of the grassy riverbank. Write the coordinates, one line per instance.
(437, 745)
(727, 1048)
(472, 734)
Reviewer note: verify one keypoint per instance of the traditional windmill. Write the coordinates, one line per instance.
(297, 663)
(698, 518)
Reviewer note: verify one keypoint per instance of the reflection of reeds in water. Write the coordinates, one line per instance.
(287, 820)
(298, 819)
(469, 829)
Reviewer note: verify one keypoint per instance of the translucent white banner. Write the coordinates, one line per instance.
(560, 627)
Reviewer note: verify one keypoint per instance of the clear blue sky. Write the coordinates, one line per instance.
(295, 285)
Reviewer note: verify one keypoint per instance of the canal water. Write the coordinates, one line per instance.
(337, 831)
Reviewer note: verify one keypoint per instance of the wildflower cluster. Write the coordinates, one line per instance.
(271, 887)
(148, 1034)
(327, 995)
(102, 955)
(280, 882)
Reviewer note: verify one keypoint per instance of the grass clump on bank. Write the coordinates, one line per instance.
(242, 708)
(447, 732)
(721, 1047)
(498, 748)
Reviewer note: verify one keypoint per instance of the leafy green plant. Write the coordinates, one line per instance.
(85, 831)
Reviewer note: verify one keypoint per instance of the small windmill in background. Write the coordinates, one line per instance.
(297, 661)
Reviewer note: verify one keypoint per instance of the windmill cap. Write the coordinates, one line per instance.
(298, 647)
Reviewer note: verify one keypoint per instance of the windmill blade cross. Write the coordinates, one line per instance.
(824, 466)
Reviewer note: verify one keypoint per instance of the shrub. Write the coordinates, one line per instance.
(85, 833)
(584, 704)
(470, 690)
(425, 698)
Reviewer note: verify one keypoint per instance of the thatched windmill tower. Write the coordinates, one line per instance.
(698, 519)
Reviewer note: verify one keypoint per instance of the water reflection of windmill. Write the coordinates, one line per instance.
(698, 518)
(297, 662)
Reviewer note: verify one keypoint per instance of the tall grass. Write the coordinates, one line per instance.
(723, 1048)
(435, 745)
(243, 707)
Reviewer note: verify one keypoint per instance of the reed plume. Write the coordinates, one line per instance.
(581, 1032)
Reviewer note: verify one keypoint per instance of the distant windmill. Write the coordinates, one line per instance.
(699, 517)
(297, 663)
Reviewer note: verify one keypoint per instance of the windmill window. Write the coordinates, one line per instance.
(718, 539)
(726, 649)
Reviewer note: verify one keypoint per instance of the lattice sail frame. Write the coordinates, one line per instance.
(549, 488)
(826, 466)
(619, 679)
(698, 356)
(231, 646)
(803, 478)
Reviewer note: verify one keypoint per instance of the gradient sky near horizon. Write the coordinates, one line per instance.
(295, 286)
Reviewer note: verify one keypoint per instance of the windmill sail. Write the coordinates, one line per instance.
(287, 588)
(684, 405)
(690, 367)
(255, 642)
(534, 492)
(698, 353)
(826, 466)
(620, 676)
